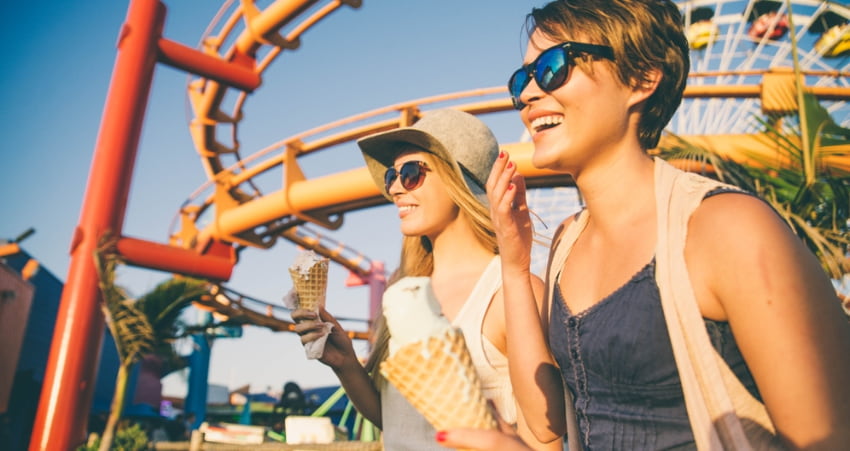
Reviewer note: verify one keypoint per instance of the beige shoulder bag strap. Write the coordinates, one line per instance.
(561, 246)
(723, 414)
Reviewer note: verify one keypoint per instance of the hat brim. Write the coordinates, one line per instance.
(381, 149)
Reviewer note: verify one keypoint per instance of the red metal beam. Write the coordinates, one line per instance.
(66, 396)
(148, 254)
(240, 73)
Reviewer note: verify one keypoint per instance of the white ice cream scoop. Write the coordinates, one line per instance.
(412, 312)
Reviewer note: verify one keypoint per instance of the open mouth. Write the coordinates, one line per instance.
(546, 122)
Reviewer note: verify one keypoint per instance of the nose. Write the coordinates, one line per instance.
(531, 92)
(395, 186)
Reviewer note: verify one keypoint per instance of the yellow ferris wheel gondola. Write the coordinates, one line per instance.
(834, 32)
(702, 31)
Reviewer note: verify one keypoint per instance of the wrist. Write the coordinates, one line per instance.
(347, 366)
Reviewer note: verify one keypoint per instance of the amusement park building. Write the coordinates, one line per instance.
(30, 302)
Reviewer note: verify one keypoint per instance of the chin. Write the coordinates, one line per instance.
(542, 159)
(410, 230)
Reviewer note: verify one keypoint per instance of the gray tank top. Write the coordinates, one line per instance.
(404, 427)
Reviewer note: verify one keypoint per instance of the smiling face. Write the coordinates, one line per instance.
(587, 116)
(429, 209)
(647, 39)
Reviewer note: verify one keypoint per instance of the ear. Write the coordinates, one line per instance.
(645, 88)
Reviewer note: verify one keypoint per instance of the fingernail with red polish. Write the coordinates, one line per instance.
(441, 436)
(501, 155)
(511, 164)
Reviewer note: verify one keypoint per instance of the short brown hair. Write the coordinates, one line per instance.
(645, 35)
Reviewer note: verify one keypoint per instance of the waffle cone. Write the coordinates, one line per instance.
(310, 285)
(438, 378)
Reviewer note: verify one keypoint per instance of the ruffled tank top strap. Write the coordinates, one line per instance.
(490, 363)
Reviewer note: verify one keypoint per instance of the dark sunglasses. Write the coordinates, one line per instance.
(411, 174)
(551, 68)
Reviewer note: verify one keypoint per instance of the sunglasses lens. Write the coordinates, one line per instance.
(518, 82)
(551, 69)
(550, 72)
(389, 177)
(411, 175)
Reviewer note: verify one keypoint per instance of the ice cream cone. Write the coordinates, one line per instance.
(437, 376)
(310, 279)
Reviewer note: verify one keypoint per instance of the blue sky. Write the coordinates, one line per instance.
(59, 60)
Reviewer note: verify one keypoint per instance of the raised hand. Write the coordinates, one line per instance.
(509, 212)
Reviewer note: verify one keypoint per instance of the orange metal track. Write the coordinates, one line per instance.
(346, 191)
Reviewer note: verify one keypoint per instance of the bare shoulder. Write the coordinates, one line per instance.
(565, 224)
(738, 227)
(735, 215)
(739, 250)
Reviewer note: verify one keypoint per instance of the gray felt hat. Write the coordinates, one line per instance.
(459, 138)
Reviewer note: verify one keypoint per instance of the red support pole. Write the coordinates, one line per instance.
(66, 395)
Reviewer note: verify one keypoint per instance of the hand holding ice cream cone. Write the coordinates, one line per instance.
(309, 273)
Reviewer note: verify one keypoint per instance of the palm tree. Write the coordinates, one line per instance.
(798, 181)
(142, 328)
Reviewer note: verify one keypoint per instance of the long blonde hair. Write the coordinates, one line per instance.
(417, 257)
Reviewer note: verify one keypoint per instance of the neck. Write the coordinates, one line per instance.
(456, 248)
(618, 191)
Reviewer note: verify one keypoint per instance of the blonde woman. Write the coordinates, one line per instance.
(434, 172)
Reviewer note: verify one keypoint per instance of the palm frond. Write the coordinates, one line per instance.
(811, 196)
(133, 334)
(165, 304)
(130, 328)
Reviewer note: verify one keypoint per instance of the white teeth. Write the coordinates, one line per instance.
(545, 121)
(403, 208)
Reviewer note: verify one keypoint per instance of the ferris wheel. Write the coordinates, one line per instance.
(746, 45)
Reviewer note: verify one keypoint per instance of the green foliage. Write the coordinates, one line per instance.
(812, 197)
(129, 438)
(140, 327)
(151, 323)
(130, 329)
(163, 307)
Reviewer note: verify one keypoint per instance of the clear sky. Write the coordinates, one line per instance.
(58, 63)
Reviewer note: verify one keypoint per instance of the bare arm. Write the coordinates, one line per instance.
(750, 269)
(528, 438)
(339, 355)
(535, 377)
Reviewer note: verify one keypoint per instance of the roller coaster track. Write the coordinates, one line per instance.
(237, 211)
